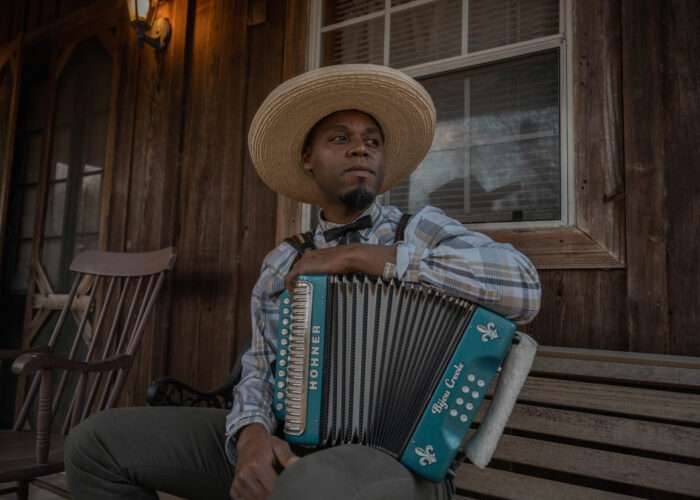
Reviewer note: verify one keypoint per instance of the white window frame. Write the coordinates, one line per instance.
(466, 61)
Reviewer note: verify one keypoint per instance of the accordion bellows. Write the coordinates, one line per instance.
(395, 366)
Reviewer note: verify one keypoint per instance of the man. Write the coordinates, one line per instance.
(335, 137)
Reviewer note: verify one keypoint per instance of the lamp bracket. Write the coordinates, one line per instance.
(157, 37)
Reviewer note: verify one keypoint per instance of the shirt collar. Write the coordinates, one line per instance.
(374, 211)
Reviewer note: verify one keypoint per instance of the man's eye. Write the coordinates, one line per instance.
(372, 142)
(338, 138)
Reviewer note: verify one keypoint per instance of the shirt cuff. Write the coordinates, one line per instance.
(233, 426)
(403, 258)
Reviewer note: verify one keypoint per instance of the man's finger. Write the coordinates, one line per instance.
(284, 454)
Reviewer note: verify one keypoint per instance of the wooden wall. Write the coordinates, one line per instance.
(182, 175)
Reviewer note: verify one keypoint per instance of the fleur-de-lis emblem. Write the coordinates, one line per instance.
(427, 455)
(488, 332)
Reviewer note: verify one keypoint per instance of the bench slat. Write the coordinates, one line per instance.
(636, 402)
(622, 468)
(646, 436)
(509, 485)
(618, 368)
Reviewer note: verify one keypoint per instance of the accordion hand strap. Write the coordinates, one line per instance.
(481, 447)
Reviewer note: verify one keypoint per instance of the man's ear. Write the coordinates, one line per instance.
(306, 158)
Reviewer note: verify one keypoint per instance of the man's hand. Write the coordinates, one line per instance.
(355, 258)
(259, 455)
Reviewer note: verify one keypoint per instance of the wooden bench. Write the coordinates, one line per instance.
(593, 424)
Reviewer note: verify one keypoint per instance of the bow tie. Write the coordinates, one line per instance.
(337, 233)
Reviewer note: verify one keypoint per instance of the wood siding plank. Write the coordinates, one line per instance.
(599, 181)
(582, 309)
(645, 164)
(205, 311)
(681, 85)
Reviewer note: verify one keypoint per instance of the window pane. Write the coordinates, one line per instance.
(56, 205)
(60, 155)
(28, 212)
(493, 23)
(426, 33)
(496, 153)
(32, 157)
(5, 100)
(359, 43)
(335, 11)
(89, 208)
(95, 143)
(20, 277)
(85, 242)
(51, 258)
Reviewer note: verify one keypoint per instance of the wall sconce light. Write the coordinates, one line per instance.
(149, 30)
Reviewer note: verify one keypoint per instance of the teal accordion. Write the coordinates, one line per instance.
(395, 366)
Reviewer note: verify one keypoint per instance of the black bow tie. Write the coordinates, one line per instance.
(337, 233)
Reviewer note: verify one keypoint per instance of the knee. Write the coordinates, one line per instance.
(344, 473)
(85, 438)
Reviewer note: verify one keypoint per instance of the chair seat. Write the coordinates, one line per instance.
(18, 459)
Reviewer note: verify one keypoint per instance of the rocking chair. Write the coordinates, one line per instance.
(82, 367)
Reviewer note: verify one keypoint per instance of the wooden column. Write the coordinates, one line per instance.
(644, 62)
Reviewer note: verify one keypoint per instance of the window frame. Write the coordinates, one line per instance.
(578, 242)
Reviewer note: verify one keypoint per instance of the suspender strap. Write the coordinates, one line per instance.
(402, 227)
(302, 242)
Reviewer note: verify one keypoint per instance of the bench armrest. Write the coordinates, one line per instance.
(32, 362)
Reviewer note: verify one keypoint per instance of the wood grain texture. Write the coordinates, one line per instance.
(151, 138)
(508, 485)
(295, 47)
(605, 430)
(671, 407)
(645, 165)
(603, 465)
(259, 210)
(681, 86)
(205, 309)
(582, 309)
(599, 180)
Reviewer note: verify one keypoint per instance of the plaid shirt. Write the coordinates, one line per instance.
(436, 250)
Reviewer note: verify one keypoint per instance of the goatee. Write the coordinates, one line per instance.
(358, 199)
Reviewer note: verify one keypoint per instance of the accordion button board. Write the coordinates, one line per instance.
(400, 367)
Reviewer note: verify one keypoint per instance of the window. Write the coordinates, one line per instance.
(496, 70)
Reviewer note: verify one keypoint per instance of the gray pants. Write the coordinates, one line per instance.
(129, 453)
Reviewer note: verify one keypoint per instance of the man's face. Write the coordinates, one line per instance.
(345, 156)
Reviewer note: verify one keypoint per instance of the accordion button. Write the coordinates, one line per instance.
(285, 331)
(286, 301)
(284, 341)
(283, 352)
(463, 418)
(283, 362)
(475, 395)
(453, 413)
(282, 373)
(279, 406)
(471, 377)
(460, 401)
(280, 384)
(285, 321)
(470, 406)
(285, 310)
(481, 383)
(280, 395)
(465, 389)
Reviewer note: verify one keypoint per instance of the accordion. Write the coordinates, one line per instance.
(396, 366)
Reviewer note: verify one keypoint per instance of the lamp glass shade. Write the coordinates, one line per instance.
(142, 11)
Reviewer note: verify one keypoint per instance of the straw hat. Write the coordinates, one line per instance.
(399, 104)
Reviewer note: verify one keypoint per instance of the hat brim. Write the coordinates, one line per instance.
(400, 105)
